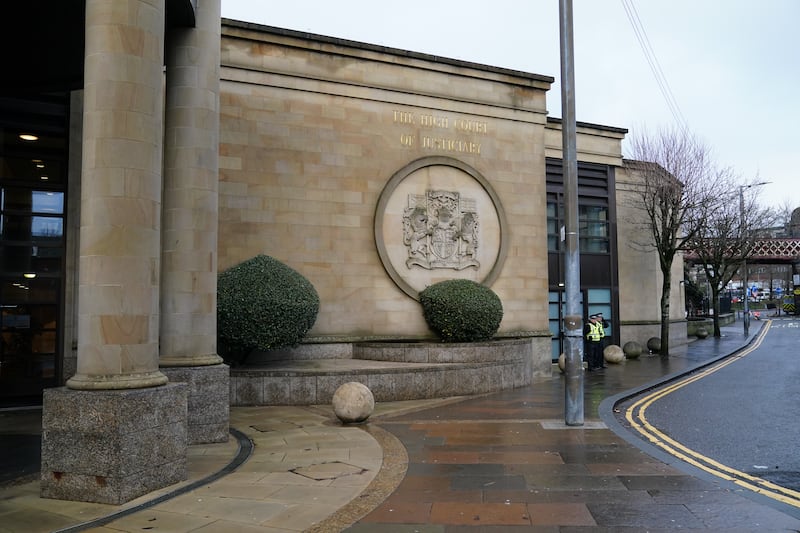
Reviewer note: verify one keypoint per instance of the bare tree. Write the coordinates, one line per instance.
(728, 235)
(781, 215)
(678, 187)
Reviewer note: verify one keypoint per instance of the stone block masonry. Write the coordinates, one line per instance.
(111, 446)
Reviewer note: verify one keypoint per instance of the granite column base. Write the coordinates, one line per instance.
(208, 401)
(112, 446)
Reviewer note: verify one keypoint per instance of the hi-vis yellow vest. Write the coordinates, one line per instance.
(596, 332)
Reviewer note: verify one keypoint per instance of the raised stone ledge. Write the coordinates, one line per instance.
(505, 364)
(432, 352)
(314, 385)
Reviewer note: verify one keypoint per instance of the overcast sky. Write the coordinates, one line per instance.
(732, 66)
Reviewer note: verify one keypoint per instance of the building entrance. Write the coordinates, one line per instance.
(32, 243)
(592, 301)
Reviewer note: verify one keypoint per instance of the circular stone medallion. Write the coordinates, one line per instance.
(439, 219)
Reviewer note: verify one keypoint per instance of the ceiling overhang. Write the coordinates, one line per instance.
(43, 42)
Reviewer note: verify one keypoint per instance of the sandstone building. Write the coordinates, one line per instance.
(171, 145)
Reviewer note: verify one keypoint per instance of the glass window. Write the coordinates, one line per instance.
(22, 290)
(554, 322)
(600, 302)
(553, 227)
(32, 201)
(26, 228)
(22, 259)
(38, 170)
(33, 178)
(31, 231)
(47, 202)
(593, 229)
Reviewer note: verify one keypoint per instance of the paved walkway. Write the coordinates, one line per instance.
(502, 462)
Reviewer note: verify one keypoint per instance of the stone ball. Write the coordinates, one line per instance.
(701, 333)
(353, 402)
(654, 344)
(613, 354)
(632, 349)
(562, 362)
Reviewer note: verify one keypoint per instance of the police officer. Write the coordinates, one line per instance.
(594, 332)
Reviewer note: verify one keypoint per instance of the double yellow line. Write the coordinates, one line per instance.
(636, 417)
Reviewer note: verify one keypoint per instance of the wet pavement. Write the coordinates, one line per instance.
(507, 462)
(502, 462)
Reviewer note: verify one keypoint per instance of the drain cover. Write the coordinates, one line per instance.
(333, 470)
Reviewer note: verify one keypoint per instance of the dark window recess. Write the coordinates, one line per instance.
(32, 244)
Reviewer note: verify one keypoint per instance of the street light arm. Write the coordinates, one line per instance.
(746, 311)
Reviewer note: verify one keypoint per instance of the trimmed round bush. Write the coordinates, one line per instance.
(460, 310)
(262, 304)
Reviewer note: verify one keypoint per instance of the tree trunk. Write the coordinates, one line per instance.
(665, 290)
(715, 307)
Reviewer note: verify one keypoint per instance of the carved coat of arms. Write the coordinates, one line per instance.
(440, 230)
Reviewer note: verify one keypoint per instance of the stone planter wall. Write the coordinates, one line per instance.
(693, 325)
(397, 371)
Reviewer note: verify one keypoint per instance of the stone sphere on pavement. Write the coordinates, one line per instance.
(654, 344)
(632, 349)
(353, 402)
(613, 354)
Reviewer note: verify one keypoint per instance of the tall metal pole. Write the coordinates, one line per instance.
(573, 318)
(746, 317)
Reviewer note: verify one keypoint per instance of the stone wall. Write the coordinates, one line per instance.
(396, 371)
(312, 131)
(639, 273)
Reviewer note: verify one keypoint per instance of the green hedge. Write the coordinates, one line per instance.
(460, 310)
(262, 304)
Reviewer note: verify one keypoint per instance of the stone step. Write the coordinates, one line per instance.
(438, 352)
(313, 382)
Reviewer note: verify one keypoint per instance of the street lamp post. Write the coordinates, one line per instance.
(746, 312)
(573, 322)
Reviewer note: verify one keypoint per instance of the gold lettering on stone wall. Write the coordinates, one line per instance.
(472, 126)
(451, 145)
(403, 117)
(432, 121)
(440, 141)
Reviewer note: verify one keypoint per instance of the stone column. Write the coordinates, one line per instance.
(189, 237)
(118, 430)
(120, 196)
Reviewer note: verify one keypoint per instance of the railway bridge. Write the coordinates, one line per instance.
(774, 251)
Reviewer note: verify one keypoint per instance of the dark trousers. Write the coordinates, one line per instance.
(594, 355)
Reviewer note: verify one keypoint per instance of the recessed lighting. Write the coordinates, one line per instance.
(28, 137)
(44, 178)
(29, 275)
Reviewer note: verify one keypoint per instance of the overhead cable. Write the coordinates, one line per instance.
(652, 61)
